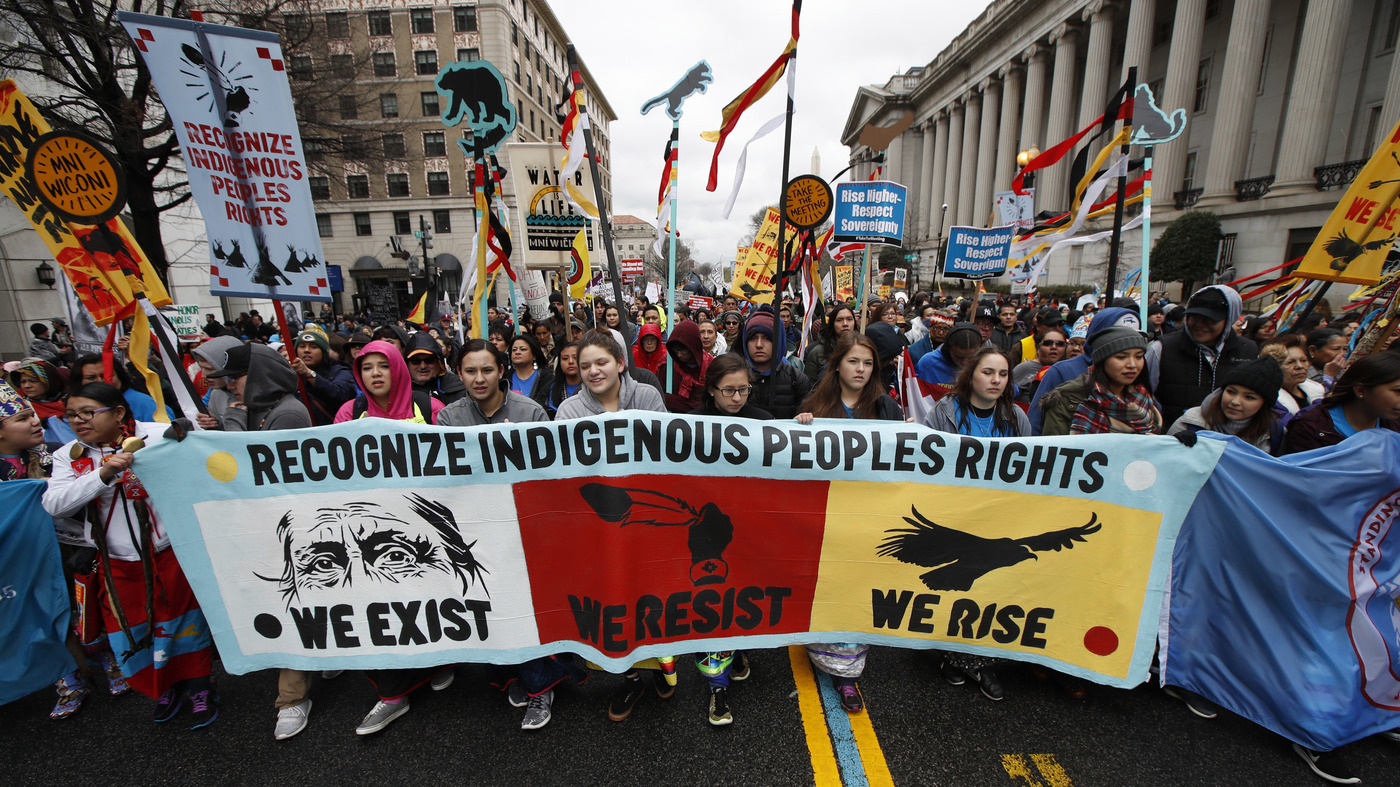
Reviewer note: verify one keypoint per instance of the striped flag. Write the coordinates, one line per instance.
(729, 117)
(667, 191)
(571, 136)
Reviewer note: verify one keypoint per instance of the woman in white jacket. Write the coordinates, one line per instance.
(140, 577)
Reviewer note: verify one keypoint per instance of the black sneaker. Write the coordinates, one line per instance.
(625, 699)
(1328, 765)
(740, 671)
(1194, 702)
(851, 698)
(988, 683)
(664, 689)
(719, 707)
(953, 675)
(169, 703)
(204, 706)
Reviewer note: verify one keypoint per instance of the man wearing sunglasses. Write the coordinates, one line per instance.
(429, 373)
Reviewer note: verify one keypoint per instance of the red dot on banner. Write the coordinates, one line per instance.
(1100, 640)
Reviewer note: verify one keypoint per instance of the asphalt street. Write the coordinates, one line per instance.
(919, 731)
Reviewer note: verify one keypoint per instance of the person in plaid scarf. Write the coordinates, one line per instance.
(1110, 398)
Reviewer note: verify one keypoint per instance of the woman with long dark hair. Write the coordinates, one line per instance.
(169, 658)
(841, 319)
(1242, 406)
(980, 404)
(1366, 396)
(530, 375)
(1110, 398)
(567, 379)
(850, 388)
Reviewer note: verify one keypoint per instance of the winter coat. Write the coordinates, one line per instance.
(748, 411)
(76, 482)
(515, 409)
(687, 382)
(446, 386)
(944, 417)
(1194, 420)
(269, 396)
(1009, 342)
(651, 361)
(814, 362)
(333, 386)
(632, 396)
(1058, 406)
(401, 406)
(1313, 428)
(1188, 372)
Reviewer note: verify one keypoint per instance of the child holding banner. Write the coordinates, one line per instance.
(850, 388)
(169, 658)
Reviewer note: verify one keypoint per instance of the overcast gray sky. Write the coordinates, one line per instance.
(639, 49)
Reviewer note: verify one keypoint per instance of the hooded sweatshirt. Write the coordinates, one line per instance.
(688, 381)
(651, 361)
(782, 389)
(631, 396)
(400, 389)
(215, 351)
(1181, 372)
(446, 386)
(1073, 368)
(269, 396)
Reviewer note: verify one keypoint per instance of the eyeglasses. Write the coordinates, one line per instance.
(1052, 343)
(84, 416)
(735, 392)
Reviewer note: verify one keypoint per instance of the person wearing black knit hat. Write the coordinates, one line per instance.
(941, 366)
(1244, 406)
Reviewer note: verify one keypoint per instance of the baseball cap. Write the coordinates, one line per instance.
(985, 312)
(1050, 316)
(1209, 303)
(237, 363)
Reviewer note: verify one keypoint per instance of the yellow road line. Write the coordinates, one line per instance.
(824, 768)
(872, 757)
(1050, 769)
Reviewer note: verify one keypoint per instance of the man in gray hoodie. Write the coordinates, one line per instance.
(212, 357)
(489, 399)
(265, 391)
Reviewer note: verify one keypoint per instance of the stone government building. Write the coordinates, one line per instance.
(1285, 101)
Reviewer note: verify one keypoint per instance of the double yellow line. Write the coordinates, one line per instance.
(845, 751)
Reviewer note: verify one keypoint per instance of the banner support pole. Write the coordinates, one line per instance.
(1115, 244)
(1145, 280)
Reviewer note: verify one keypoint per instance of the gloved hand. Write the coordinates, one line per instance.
(1186, 438)
(178, 429)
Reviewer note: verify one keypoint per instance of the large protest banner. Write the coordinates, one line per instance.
(385, 544)
(1284, 597)
(226, 91)
(33, 597)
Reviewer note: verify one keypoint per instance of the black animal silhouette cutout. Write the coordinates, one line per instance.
(710, 530)
(959, 559)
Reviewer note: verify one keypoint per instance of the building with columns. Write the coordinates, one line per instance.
(1285, 101)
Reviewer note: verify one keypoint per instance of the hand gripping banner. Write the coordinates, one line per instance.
(385, 544)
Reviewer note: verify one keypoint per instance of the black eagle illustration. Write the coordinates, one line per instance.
(959, 559)
(751, 292)
(709, 530)
(1343, 250)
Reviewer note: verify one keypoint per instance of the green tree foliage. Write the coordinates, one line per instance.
(1187, 251)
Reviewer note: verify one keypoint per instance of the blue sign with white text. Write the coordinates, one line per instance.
(975, 253)
(869, 212)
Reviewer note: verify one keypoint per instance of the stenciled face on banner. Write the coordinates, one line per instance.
(373, 573)
(227, 94)
(696, 563)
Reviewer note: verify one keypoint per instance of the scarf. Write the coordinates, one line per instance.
(1103, 413)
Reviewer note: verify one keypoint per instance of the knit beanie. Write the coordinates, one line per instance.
(1112, 341)
(11, 402)
(886, 339)
(760, 323)
(317, 337)
(939, 318)
(1263, 376)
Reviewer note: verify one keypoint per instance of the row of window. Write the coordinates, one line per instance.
(403, 223)
(337, 23)
(425, 63)
(395, 185)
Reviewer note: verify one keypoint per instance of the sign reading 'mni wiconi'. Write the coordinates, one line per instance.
(975, 253)
(549, 223)
(870, 212)
(381, 544)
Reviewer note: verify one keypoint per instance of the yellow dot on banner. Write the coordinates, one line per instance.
(222, 466)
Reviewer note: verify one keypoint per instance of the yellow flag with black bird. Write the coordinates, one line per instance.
(580, 270)
(1353, 244)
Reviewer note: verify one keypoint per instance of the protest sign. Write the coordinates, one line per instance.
(1017, 209)
(754, 271)
(870, 212)
(102, 261)
(845, 282)
(631, 269)
(548, 221)
(1353, 245)
(974, 253)
(184, 318)
(226, 91)
(513, 542)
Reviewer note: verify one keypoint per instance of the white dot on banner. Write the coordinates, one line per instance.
(1140, 475)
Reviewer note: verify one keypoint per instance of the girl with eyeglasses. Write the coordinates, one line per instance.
(728, 383)
(168, 659)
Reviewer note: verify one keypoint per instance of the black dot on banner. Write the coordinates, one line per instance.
(268, 625)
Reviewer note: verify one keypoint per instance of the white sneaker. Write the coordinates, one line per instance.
(380, 716)
(443, 679)
(537, 713)
(292, 720)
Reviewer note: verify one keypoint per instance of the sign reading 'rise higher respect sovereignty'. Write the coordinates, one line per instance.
(870, 212)
(385, 544)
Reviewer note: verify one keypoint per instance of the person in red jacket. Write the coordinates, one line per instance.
(1366, 396)
(689, 362)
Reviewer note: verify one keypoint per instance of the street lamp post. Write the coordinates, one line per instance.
(1022, 159)
(938, 261)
